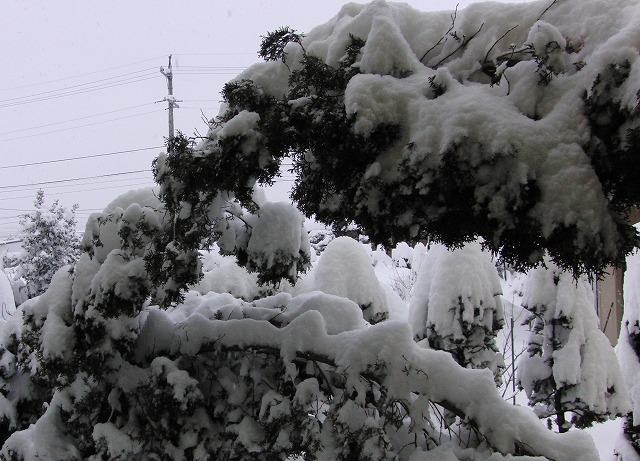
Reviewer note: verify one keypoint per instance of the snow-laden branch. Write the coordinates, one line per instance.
(385, 353)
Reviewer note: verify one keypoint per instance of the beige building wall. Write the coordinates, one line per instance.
(609, 294)
(609, 302)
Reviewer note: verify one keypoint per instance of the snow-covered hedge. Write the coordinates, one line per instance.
(220, 377)
(92, 370)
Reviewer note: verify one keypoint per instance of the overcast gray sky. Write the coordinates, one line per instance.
(81, 79)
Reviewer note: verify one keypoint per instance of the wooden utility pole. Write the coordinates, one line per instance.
(171, 100)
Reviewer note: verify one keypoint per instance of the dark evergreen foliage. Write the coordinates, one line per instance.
(331, 161)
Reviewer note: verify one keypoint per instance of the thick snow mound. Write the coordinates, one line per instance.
(454, 288)
(299, 327)
(345, 269)
(626, 348)
(222, 274)
(278, 239)
(103, 226)
(340, 314)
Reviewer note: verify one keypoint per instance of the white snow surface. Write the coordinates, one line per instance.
(221, 274)
(339, 313)
(44, 437)
(104, 225)
(464, 279)
(243, 124)
(344, 269)
(543, 131)
(278, 234)
(312, 323)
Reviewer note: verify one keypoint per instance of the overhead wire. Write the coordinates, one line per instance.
(14, 209)
(14, 220)
(82, 126)
(94, 189)
(67, 88)
(82, 157)
(73, 179)
(181, 68)
(148, 182)
(74, 185)
(77, 119)
(202, 72)
(64, 93)
(214, 54)
(110, 82)
(82, 75)
(71, 77)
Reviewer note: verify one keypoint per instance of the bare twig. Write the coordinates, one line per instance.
(508, 84)
(444, 37)
(486, 57)
(463, 45)
(547, 9)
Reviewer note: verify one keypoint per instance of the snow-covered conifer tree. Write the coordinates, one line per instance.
(570, 366)
(49, 241)
(412, 125)
(455, 305)
(519, 126)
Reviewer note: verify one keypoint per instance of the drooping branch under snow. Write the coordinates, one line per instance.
(375, 353)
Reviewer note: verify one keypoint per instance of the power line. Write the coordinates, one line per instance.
(14, 209)
(216, 68)
(81, 75)
(76, 119)
(49, 188)
(76, 184)
(75, 92)
(206, 72)
(109, 82)
(82, 190)
(58, 186)
(67, 88)
(11, 219)
(82, 157)
(82, 126)
(27, 210)
(93, 189)
(74, 179)
(214, 54)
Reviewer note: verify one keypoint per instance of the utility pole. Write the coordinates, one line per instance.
(171, 100)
